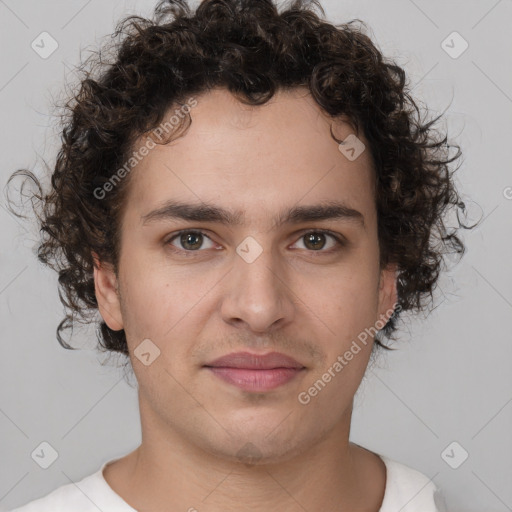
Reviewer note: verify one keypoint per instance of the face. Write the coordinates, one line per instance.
(200, 288)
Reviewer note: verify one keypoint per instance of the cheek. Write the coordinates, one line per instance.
(161, 302)
(346, 310)
(347, 302)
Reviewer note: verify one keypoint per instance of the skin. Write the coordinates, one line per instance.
(305, 302)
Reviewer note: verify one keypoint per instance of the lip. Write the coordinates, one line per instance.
(256, 372)
(250, 361)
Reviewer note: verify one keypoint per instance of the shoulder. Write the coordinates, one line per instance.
(78, 497)
(409, 490)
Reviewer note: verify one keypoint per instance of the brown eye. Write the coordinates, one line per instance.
(190, 241)
(315, 241)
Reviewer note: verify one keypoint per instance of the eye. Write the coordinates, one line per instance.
(193, 240)
(315, 240)
(189, 240)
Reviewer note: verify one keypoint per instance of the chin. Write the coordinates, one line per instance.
(263, 444)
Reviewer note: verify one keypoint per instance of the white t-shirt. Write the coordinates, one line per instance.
(407, 490)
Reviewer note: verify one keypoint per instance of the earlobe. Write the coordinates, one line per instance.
(106, 290)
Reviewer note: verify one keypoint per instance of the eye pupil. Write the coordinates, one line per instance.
(185, 238)
(311, 238)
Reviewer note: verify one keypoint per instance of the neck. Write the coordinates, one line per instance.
(168, 472)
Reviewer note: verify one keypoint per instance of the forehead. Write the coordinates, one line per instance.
(255, 159)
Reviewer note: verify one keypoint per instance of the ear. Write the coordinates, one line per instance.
(106, 290)
(387, 291)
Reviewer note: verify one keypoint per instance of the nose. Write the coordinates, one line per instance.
(258, 295)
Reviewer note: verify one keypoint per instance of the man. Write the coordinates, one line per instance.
(249, 202)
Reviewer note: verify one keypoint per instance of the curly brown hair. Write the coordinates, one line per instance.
(253, 49)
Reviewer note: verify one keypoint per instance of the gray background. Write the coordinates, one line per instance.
(450, 380)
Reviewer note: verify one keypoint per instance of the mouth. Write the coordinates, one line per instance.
(256, 373)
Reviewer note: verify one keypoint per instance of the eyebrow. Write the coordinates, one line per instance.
(204, 212)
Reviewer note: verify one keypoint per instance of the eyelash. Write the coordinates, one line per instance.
(339, 240)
